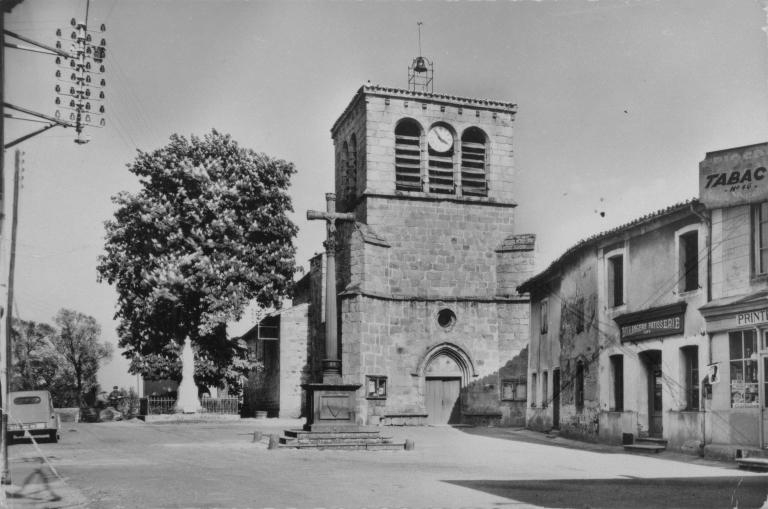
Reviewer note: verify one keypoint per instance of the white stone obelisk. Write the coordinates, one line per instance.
(187, 402)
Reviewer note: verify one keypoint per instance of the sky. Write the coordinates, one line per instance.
(618, 102)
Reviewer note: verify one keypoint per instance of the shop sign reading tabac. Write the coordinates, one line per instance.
(736, 176)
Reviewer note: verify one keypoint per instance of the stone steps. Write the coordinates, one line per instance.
(337, 440)
(652, 449)
(752, 462)
(346, 446)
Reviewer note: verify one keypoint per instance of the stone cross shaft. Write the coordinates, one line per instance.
(332, 362)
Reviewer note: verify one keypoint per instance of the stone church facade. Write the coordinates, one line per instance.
(430, 322)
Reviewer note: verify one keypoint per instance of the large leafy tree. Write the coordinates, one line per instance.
(35, 362)
(206, 235)
(77, 343)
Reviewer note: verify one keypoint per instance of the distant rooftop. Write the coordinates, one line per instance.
(594, 239)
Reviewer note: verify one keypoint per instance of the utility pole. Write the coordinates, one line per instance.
(84, 61)
(6, 474)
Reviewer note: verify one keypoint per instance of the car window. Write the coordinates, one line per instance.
(27, 400)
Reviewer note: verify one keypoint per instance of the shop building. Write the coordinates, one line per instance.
(617, 342)
(734, 188)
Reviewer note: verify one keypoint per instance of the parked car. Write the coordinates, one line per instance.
(33, 411)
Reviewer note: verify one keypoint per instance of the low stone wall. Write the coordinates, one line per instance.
(403, 420)
(482, 419)
(68, 414)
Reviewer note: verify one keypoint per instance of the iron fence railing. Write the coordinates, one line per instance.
(158, 405)
(161, 405)
(220, 405)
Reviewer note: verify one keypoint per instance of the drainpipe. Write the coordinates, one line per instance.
(761, 437)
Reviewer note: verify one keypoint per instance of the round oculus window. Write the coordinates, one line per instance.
(446, 318)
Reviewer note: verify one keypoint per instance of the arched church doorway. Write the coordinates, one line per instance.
(442, 388)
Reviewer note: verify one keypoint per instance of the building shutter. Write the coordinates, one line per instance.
(407, 159)
(473, 157)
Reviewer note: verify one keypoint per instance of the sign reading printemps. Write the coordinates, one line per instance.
(752, 317)
(737, 176)
(652, 323)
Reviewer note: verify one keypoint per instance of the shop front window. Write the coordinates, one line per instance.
(744, 388)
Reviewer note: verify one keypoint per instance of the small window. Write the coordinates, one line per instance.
(376, 387)
(473, 160)
(27, 400)
(544, 316)
(689, 261)
(616, 281)
(760, 233)
(743, 365)
(533, 390)
(544, 389)
(408, 156)
(446, 318)
(691, 367)
(617, 373)
(514, 390)
(579, 385)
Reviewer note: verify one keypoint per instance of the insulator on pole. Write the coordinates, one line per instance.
(58, 60)
(72, 63)
(88, 50)
(103, 42)
(101, 110)
(87, 106)
(88, 65)
(101, 95)
(72, 91)
(74, 36)
(87, 92)
(57, 101)
(58, 32)
(102, 69)
(88, 38)
(88, 79)
(103, 27)
(57, 114)
(71, 116)
(103, 122)
(71, 104)
(103, 83)
(58, 74)
(87, 118)
(58, 44)
(58, 88)
(73, 22)
(73, 77)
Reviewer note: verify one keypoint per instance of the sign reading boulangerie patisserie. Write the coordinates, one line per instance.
(737, 176)
(652, 323)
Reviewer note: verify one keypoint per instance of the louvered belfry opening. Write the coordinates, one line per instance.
(473, 157)
(441, 171)
(408, 156)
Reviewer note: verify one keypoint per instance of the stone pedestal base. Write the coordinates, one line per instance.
(331, 407)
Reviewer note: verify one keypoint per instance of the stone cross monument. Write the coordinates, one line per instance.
(331, 404)
(332, 362)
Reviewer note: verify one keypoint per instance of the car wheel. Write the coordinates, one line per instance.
(53, 436)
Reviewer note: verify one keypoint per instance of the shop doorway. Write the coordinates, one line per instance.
(556, 398)
(652, 361)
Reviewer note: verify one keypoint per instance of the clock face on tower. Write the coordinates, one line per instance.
(440, 139)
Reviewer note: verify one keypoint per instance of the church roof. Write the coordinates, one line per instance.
(469, 101)
(526, 286)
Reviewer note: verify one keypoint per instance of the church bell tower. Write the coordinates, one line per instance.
(426, 275)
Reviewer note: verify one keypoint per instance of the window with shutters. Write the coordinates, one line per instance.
(441, 165)
(473, 159)
(408, 156)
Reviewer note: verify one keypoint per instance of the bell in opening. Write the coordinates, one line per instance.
(421, 65)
